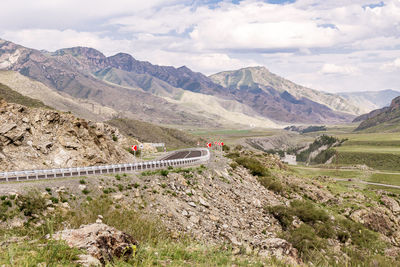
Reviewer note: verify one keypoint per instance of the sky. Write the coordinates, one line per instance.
(329, 45)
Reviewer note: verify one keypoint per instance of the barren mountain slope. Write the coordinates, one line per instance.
(279, 99)
(252, 76)
(226, 112)
(124, 70)
(73, 79)
(82, 108)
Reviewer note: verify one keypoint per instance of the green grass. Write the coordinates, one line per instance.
(384, 178)
(50, 253)
(336, 173)
(370, 137)
(380, 151)
(379, 161)
(370, 149)
(338, 187)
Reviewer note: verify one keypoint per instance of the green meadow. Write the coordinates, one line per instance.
(379, 151)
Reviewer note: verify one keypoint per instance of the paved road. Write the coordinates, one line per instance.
(183, 155)
(179, 158)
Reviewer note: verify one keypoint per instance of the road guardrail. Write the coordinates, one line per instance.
(30, 175)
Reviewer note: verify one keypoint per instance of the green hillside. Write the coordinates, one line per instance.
(12, 96)
(385, 120)
(380, 151)
(147, 132)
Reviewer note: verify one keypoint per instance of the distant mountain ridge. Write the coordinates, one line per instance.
(370, 100)
(386, 119)
(282, 100)
(165, 94)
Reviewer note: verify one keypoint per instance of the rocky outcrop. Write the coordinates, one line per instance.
(280, 249)
(100, 241)
(42, 138)
(378, 219)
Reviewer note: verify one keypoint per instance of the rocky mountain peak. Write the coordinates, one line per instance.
(257, 68)
(79, 51)
(123, 61)
(184, 69)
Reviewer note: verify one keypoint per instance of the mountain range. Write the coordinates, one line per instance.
(370, 100)
(94, 86)
(386, 119)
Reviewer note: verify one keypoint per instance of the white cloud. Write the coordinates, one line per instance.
(391, 66)
(304, 41)
(52, 40)
(335, 69)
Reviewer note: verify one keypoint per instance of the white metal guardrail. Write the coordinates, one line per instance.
(105, 169)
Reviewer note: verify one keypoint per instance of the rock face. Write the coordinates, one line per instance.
(280, 249)
(39, 138)
(100, 241)
(217, 205)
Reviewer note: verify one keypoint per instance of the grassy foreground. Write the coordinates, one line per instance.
(26, 245)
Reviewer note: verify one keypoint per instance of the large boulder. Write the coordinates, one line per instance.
(100, 241)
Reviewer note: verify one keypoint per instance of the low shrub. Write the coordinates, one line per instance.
(253, 165)
(308, 212)
(120, 187)
(226, 148)
(85, 191)
(283, 214)
(31, 203)
(305, 240)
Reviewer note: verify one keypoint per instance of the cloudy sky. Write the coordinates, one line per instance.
(330, 45)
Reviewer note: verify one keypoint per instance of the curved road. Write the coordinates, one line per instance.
(183, 155)
(186, 157)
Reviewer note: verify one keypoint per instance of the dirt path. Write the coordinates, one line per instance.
(368, 183)
(348, 170)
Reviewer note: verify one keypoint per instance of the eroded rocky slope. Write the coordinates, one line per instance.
(40, 138)
(310, 221)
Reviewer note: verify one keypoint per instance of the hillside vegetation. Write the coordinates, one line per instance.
(376, 150)
(248, 211)
(147, 132)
